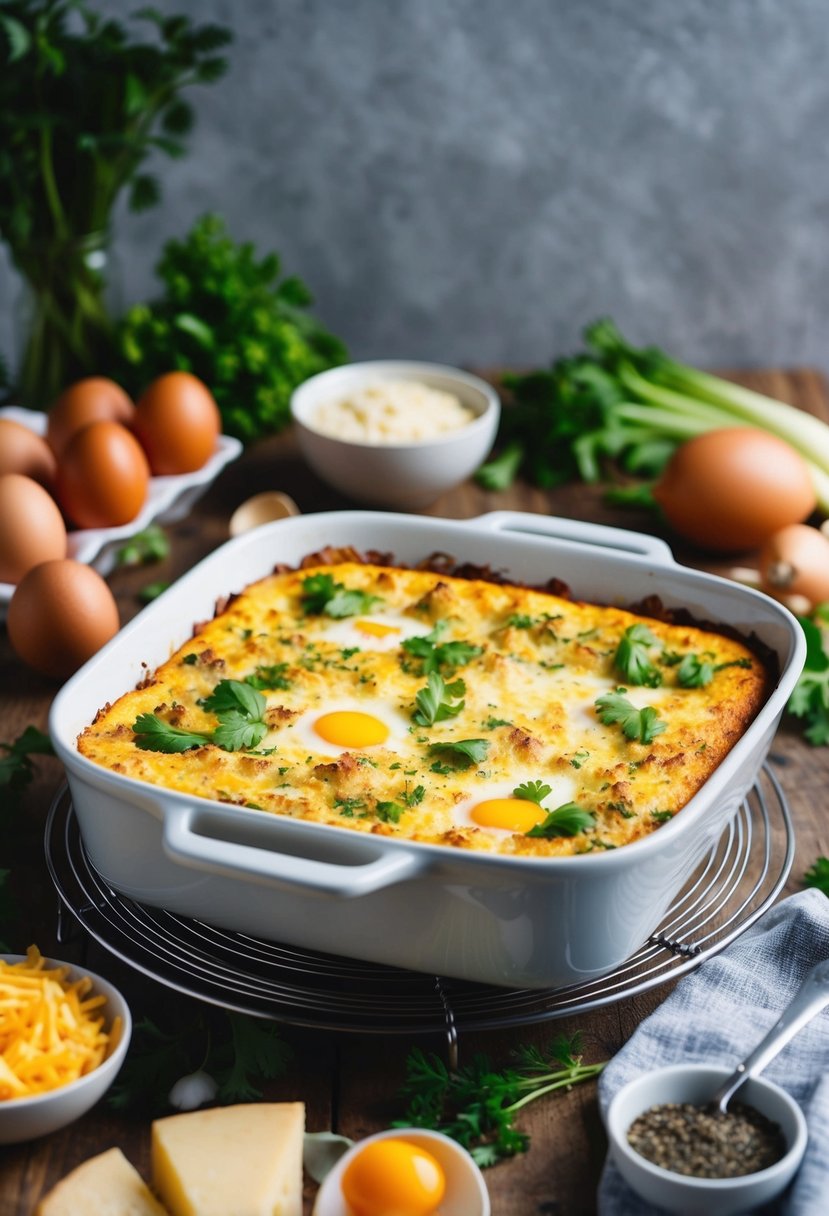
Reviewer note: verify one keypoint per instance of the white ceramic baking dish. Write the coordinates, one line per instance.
(501, 920)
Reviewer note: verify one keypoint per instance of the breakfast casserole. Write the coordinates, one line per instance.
(429, 707)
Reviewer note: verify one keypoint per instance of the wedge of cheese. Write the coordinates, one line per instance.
(231, 1160)
(106, 1185)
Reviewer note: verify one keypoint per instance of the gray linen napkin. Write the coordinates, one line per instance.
(717, 1014)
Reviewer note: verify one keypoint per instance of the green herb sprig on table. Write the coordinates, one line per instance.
(477, 1105)
(16, 767)
(237, 1051)
(227, 316)
(810, 698)
(818, 875)
(150, 545)
(83, 104)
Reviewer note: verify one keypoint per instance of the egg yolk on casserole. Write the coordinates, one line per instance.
(441, 710)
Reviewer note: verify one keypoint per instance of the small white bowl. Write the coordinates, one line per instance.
(28, 1118)
(466, 1193)
(696, 1083)
(403, 475)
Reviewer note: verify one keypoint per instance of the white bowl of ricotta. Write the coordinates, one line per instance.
(394, 432)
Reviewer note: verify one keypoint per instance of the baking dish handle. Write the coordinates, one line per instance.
(187, 840)
(618, 539)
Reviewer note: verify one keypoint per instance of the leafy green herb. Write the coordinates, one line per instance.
(16, 768)
(533, 791)
(566, 820)
(226, 315)
(492, 723)
(810, 698)
(632, 656)
(436, 654)
(151, 545)
(236, 1050)
(697, 671)
(818, 875)
(477, 1105)
(269, 677)
(389, 812)
(322, 595)
(438, 700)
(153, 734)
(661, 816)
(642, 725)
(190, 660)
(235, 696)
(500, 472)
(414, 797)
(578, 758)
(461, 753)
(349, 806)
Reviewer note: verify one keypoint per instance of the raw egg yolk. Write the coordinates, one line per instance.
(511, 814)
(349, 728)
(393, 1178)
(375, 629)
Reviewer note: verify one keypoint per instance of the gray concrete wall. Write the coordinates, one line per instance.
(474, 180)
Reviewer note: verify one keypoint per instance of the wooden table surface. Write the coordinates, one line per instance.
(349, 1082)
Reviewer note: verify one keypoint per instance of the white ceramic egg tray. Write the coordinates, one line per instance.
(168, 500)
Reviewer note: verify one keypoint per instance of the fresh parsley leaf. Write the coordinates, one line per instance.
(566, 820)
(500, 472)
(235, 696)
(349, 806)
(152, 591)
(461, 753)
(818, 875)
(16, 768)
(632, 656)
(269, 678)
(661, 816)
(492, 723)
(642, 725)
(254, 1052)
(578, 758)
(435, 654)
(414, 797)
(389, 812)
(533, 791)
(153, 734)
(810, 698)
(322, 595)
(438, 700)
(697, 671)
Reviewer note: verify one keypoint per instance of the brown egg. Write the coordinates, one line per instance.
(60, 615)
(102, 476)
(178, 422)
(31, 527)
(22, 451)
(95, 399)
(732, 487)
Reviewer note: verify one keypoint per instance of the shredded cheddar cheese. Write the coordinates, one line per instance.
(51, 1029)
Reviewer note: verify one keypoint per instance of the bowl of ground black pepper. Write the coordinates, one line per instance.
(676, 1151)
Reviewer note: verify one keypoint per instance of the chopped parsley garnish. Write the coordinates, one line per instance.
(272, 677)
(349, 806)
(632, 657)
(566, 820)
(460, 753)
(414, 797)
(578, 758)
(492, 723)
(438, 700)
(641, 725)
(190, 659)
(322, 595)
(662, 816)
(389, 812)
(532, 791)
(435, 654)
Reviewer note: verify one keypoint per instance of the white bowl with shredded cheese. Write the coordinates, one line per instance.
(64, 1033)
(394, 432)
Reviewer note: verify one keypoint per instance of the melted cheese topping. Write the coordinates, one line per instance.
(346, 743)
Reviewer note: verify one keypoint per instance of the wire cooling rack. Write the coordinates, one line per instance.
(741, 877)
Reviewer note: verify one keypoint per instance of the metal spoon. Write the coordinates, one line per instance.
(810, 998)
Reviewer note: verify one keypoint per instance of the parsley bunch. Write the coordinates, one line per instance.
(227, 316)
(810, 699)
(478, 1104)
